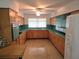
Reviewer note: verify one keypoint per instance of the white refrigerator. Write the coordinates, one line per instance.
(72, 37)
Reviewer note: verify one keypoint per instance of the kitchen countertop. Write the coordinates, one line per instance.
(51, 30)
(58, 33)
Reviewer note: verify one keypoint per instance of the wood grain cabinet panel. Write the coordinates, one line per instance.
(60, 45)
(22, 38)
(29, 34)
(9, 24)
(37, 34)
(5, 24)
(58, 42)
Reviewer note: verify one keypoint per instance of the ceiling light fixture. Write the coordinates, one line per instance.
(37, 13)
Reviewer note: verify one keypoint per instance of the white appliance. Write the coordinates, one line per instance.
(72, 37)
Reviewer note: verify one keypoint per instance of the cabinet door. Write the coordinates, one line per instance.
(5, 26)
(37, 34)
(29, 34)
(58, 42)
(41, 34)
(22, 38)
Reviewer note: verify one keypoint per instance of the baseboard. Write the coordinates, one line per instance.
(37, 38)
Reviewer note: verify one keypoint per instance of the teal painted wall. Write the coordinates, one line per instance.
(23, 27)
(61, 21)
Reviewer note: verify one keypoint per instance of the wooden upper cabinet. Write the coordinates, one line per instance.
(13, 16)
(20, 20)
(52, 21)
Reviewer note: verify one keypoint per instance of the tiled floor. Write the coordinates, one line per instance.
(40, 49)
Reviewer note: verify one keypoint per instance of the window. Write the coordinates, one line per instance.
(36, 22)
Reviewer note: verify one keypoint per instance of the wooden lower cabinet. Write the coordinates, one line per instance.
(37, 34)
(22, 38)
(58, 42)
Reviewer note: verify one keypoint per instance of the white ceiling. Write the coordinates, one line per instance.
(45, 6)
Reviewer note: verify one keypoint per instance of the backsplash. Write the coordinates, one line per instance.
(23, 27)
(53, 27)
